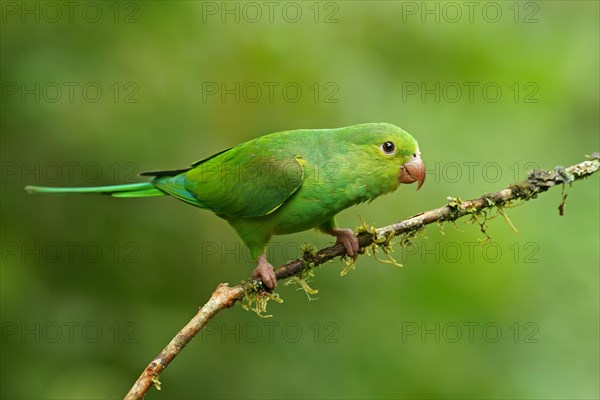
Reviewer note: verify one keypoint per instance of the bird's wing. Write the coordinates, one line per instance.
(173, 172)
(246, 181)
(175, 186)
(173, 181)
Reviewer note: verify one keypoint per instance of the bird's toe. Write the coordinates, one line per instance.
(265, 272)
(349, 240)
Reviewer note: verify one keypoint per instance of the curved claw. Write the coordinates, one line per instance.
(348, 239)
(265, 272)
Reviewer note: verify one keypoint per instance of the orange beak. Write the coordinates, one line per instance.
(413, 171)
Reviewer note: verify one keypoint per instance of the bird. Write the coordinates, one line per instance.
(286, 182)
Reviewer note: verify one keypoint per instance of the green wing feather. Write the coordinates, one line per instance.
(250, 180)
(173, 182)
(175, 186)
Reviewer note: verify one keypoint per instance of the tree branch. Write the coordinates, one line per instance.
(224, 296)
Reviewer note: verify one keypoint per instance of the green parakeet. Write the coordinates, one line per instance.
(287, 182)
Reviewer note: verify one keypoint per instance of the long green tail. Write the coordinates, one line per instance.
(143, 189)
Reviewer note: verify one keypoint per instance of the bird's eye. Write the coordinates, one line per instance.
(388, 148)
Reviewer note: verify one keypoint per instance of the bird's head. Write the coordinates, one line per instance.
(393, 154)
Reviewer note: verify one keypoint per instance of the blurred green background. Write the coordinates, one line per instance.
(94, 287)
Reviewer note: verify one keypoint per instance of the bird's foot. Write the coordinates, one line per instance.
(348, 239)
(265, 272)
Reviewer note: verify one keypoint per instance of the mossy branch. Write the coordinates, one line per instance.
(224, 296)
